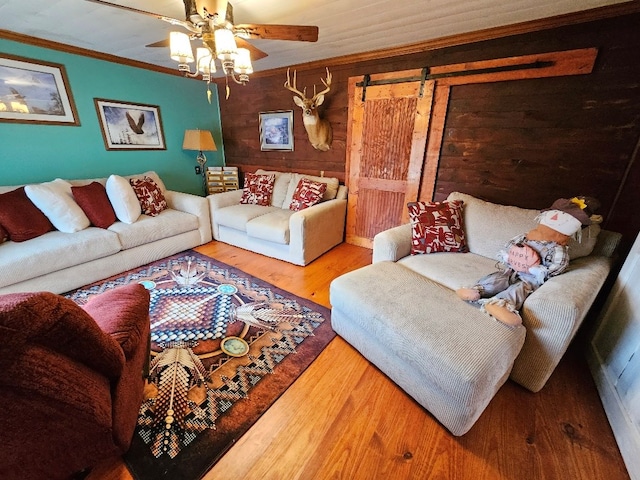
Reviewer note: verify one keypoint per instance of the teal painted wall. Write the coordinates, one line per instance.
(35, 153)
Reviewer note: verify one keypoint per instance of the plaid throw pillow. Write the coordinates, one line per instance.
(258, 189)
(307, 194)
(149, 195)
(436, 227)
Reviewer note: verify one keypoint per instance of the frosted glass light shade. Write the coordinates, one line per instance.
(205, 60)
(180, 47)
(226, 48)
(243, 62)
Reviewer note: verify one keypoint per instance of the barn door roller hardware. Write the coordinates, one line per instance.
(426, 75)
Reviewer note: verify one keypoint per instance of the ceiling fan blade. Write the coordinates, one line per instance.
(300, 33)
(256, 53)
(161, 43)
(172, 21)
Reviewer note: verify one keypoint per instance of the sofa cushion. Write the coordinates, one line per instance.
(453, 270)
(329, 194)
(93, 200)
(436, 227)
(149, 194)
(257, 189)
(20, 217)
(55, 200)
(149, 229)
(54, 251)
(123, 199)
(237, 216)
(489, 226)
(307, 194)
(272, 227)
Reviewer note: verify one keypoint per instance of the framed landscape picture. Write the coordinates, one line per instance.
(130, 126)
(276, 130)
(36, 92)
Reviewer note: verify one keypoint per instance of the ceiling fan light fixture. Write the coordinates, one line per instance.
(205, 62)
(242, 64)
(226, 48)
(180, 46)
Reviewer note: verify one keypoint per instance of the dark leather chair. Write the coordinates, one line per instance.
(71, 380)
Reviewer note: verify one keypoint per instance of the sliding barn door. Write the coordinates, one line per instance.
(387, 133)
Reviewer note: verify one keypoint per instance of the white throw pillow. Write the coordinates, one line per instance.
(123, 199)
(55, 200)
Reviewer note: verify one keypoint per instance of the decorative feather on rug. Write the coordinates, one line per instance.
(266, 315)
(177, 407)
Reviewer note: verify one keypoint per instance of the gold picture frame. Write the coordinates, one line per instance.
(37, 92)
(130, 126)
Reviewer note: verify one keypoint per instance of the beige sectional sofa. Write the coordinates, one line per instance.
(403, 315)
(297, 237)
(59, 261)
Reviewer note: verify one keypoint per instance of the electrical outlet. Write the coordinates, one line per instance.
(198, 170)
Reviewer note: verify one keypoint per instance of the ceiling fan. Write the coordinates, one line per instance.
(210, 21)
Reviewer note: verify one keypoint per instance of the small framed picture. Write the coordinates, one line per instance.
(276, 130)
(35, 92)
(130, 126)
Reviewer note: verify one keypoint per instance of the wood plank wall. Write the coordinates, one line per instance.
(522, 143)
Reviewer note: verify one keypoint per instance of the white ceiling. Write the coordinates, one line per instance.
(346, 26)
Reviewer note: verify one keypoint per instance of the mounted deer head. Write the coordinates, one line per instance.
(318, 129)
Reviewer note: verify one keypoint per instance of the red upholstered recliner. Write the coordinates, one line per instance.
(71, 380)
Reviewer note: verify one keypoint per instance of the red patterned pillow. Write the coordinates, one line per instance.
(258, 189)
(307, 194)
(149, 195)
(94, 202)
(21, 218)
(436, 227)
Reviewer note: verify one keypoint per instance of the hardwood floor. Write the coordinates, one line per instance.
(343, 419)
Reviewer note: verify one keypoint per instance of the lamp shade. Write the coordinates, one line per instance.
(226, 48)
(199, 140)
(243, 62)
(180, 47)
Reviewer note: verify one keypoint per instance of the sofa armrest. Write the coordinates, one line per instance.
(392, 244)
(552, 315)
(218, 201)
(195, 205)
(316, 229)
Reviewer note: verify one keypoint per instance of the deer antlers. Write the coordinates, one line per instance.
(303, 94)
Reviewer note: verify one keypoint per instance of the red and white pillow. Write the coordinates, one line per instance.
(150, 196)
(258, 189)
(436, 227)
(307, 194)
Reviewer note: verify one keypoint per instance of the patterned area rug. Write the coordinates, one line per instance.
(225, 346)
